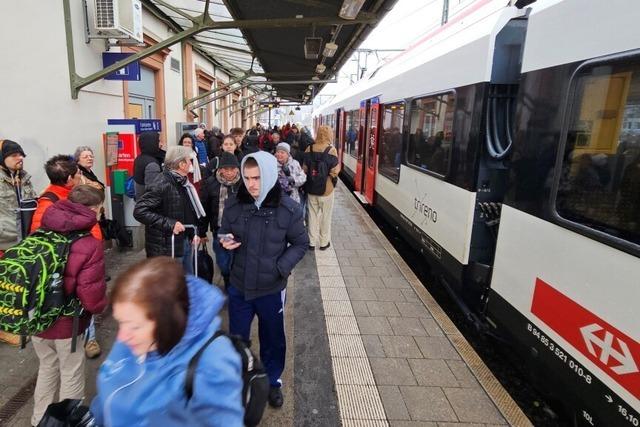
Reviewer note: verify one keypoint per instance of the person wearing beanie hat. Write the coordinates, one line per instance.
(15, 187)
(214, 192)
(290, 174)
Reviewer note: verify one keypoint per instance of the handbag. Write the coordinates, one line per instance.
(205, 263)
(68, 413)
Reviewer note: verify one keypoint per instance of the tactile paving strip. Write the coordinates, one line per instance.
(332, 282)
(337, 308)
(503, 401)
(365, 423)
(360, 402)
(346, 346)
(352, 370)
(358, 397)
(342, 325)
(332, 270)
(334, 294)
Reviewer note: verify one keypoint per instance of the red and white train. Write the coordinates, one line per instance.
(505, 146)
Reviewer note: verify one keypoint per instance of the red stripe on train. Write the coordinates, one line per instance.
(611, 350)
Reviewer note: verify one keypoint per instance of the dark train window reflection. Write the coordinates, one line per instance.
(351, 123)
(431, 127)
(390, 152)
(600, 177)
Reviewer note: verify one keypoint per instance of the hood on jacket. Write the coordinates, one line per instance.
(66, 216)
(268, 166)
(205, 302)
(150, 143)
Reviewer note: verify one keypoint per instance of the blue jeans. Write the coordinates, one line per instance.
(223, 257)
(91, 330)
(270, 312)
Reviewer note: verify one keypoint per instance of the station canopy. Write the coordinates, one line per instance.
(301, 42)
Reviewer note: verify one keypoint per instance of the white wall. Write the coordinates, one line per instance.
(36, 108)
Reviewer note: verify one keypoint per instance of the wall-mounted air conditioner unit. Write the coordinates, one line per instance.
(118, 18)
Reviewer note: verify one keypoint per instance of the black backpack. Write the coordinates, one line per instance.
(255, 383)
(318, 167)
(32, 295)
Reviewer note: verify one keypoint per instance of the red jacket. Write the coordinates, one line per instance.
(84, 272)
(44, 203)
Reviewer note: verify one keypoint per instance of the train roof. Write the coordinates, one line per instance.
(565, 31)
(451, 55)
(461, 52)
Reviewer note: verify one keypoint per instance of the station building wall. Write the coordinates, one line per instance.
(36, 108)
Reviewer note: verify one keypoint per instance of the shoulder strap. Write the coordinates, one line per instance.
(193, 363)
(50, 195)
(326, 150)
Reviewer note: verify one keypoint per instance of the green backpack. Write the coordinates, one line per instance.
(32, 295)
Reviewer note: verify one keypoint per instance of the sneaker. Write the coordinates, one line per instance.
(9, 338)
(325, 247)
(275, 397)
(92, 349)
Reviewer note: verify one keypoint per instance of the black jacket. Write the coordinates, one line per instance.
(273, 241)
(164, 203)
(210, 198)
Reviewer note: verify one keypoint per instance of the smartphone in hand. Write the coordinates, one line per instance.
(226, 238)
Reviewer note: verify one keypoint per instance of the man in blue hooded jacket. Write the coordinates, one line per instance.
(266, 232)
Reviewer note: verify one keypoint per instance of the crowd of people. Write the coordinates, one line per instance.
(261, 197)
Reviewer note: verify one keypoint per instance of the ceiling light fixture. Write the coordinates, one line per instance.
(350, 9)
(312, 46)
(330, 49)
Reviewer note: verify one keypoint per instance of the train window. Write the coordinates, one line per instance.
(390, 152)
(599, 183)
(431, 129)
(351, 123)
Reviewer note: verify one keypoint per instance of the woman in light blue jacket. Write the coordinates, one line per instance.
(164, 318)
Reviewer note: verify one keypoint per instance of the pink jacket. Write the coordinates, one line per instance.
(84, 273)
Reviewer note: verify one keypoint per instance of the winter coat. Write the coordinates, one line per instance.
(84, 272)
(214, 143)
(304, 141)
(9, 205)
(333, 172)
(163, 204)
(90, 176)
(210, 198)
(200, 147)
(149, 391)
(273, 241)
(148, 165)
(45, 202)
(291, 183)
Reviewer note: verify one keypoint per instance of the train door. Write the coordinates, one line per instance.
(371, 148)
(358, 180)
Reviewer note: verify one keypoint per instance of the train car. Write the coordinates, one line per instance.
(505, 146)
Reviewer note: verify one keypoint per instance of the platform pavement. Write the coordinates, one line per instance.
(367, 345)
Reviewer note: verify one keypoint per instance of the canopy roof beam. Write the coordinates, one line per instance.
(201, 23)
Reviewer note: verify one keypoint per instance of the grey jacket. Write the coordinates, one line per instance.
(9, 204)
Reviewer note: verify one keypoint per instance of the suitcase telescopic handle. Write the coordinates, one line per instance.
(193, 247)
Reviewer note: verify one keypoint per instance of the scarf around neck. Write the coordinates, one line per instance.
(224, 192)
(191, 191)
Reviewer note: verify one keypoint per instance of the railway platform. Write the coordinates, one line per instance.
(367, 344)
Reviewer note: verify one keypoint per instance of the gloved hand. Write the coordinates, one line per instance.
(291, 180)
